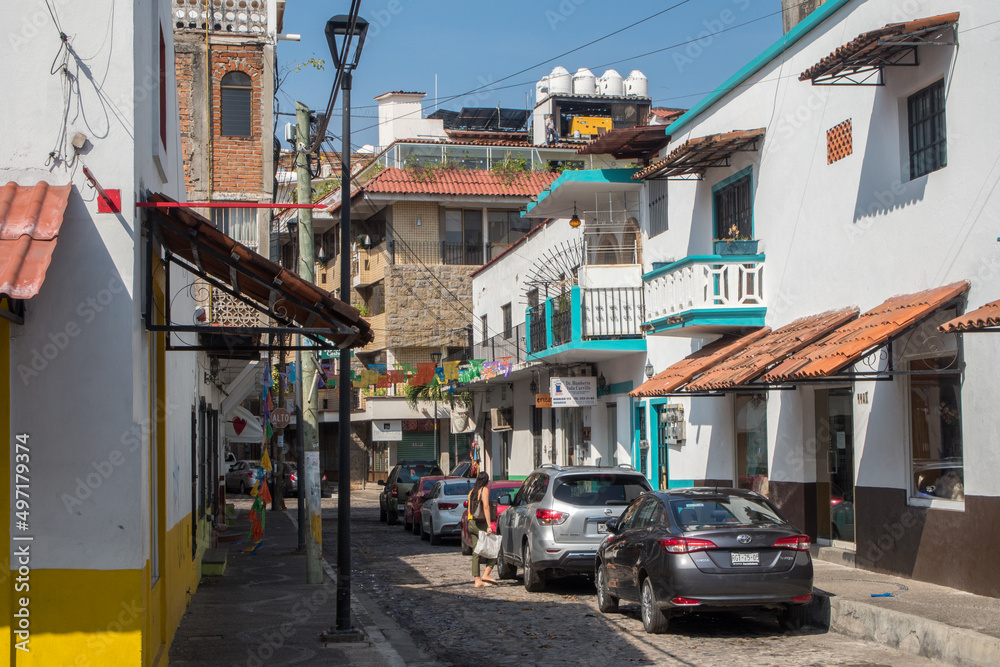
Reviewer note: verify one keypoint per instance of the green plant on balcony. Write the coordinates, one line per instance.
(424, 169)
(735, 243)
(508, 169)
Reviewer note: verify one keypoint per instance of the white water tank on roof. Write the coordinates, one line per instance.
(560, 81)
(584, 82)
(637, 84)
(542, 89)
(610, 83)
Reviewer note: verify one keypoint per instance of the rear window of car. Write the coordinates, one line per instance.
(498, 491)
(410, 474)
(723, 511)
(427, 484)
(458, 488)
(599, 490)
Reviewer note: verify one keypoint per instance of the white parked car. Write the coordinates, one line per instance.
(443, 511)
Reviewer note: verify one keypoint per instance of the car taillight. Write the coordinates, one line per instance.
(465, 503)
(550, 517)
(395, 492)
(685, 545)
(324, 477)
(794, 542)
(447, 506)
(802, 598)
(688, 602)
(292, 477)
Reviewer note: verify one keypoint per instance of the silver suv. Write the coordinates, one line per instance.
(559, 517)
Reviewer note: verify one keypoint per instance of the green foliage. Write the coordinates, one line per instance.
(325, 188)
(424, 169)
(509, 168)
(429, 392)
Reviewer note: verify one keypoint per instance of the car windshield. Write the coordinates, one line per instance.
(722, 511)
(410, 474)
(458, 488)
(427, 484)
(599, 490)
(498, 491)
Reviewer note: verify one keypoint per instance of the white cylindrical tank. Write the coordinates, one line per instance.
(560, 81)
(611, 83)
(541, 89)
(584, 82)
(637, 84)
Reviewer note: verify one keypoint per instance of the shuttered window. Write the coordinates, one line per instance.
(237, 93)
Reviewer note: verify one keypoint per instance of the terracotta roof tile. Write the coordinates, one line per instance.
(984, 317)
(665, 112)
(675, 376)
(628, 142)
(852, 341)
(30, 218)
(474, 182)
(876, 47)
(696, 155)
(753, 360)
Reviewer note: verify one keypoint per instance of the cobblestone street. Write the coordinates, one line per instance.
(427, 590)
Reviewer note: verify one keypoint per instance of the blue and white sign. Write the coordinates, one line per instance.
(573, 392)
(387, 430)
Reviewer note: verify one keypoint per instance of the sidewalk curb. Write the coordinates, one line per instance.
(904, 632)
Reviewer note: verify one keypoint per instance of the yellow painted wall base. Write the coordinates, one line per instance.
(84, 617)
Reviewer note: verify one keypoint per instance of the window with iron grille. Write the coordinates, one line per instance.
(485, 331)
(507, 321)
(237, 95)
(733, 207)
(657, 207)
(239, 224)
(927, 131)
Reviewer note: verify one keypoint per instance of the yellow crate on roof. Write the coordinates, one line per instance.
(589, 125)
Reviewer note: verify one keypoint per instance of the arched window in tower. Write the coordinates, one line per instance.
(237, 93)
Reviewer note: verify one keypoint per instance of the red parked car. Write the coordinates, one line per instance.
(497, 489)
(414, 501)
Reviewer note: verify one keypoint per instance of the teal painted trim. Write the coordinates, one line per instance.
(652, 420)
(548, 325)
(725, 317)
(517, 478)
(628, 345)
(680, 483)
(576, 313)
(742, 173)
(701, 259)
(653, 402)
(596, 176)
(823, 12)
(618, 388)
(528, 312)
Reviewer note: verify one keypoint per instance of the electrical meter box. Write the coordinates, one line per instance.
(672, 424)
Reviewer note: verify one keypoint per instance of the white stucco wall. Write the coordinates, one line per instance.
(859, 231)
(85, 403)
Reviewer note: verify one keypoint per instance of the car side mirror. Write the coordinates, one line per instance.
(504, 499)
(381, 482)
(613, 525)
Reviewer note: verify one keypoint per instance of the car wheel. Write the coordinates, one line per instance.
(606, 602)
(534, 582)
(435, 538)
(243, 488)
(381, 512)
(654, 620)
(423, 533)
(793, 616)
(504, 569)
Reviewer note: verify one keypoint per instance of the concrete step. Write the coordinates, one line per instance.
(213, 562)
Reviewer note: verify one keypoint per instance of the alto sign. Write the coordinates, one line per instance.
(573, 392)
(280, 418)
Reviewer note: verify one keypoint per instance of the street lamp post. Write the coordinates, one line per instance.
(436, 358)
(348, 29)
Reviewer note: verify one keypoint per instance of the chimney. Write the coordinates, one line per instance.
(794, 11)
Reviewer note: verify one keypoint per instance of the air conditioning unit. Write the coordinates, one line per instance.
(500, 419)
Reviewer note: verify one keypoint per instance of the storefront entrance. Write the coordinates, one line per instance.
(835, 465)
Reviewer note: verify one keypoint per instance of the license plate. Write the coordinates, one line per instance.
(602, 527)
(744, 557)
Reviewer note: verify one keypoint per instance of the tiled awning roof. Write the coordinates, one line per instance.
(30, 218)
(982, 318)
(870, 51)
(469, 182)
(628, 142)
(753, 360)
(283, 295)
(696, 155)
(853, 341)
(677, 375)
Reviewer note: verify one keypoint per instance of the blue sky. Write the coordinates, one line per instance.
(469, 45)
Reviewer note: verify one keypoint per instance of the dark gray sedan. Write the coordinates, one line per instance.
(704, 549)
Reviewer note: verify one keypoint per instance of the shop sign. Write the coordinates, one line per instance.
(573, 392)
(387, 430)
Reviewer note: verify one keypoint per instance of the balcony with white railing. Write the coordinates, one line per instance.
(705, 294)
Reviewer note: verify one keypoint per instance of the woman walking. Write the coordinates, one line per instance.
(480, 520)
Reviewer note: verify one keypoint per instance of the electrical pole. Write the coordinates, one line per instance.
(306, 370)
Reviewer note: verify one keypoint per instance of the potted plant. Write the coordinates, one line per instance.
(735, 243)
